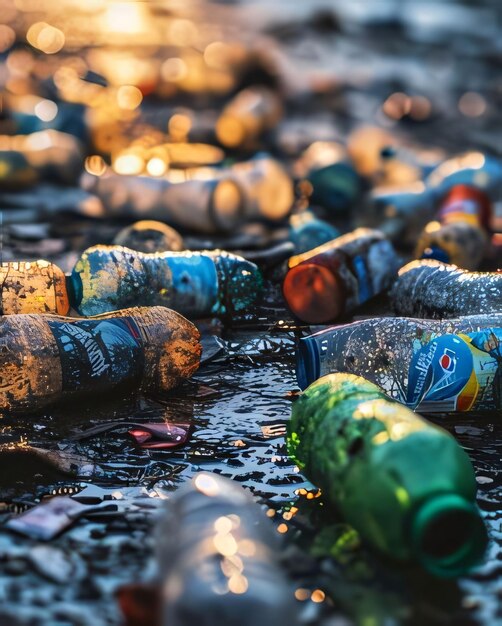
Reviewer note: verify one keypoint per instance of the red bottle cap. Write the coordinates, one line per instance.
(313, 293)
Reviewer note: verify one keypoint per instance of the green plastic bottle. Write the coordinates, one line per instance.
(404, 484)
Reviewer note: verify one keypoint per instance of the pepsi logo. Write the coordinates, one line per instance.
(448, 361)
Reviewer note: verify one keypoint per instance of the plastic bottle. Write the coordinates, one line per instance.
(150, 236)
(196, 284)
(399, 212)
(306, 231)
(336, 277)
(32, 287)
(204, 205)
(268, 188)
(336, 184)
(433, 289)
(460, 236)
(474, 169)
(45, 155)
(218, 561)
(247, 116)
(431, 366)
(404, 484)
(46, 358)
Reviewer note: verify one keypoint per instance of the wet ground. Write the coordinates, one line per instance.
(240, 399)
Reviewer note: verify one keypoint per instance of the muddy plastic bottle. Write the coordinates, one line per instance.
(404, 484)
(432, 366)
(32, 287)
(196, 284)
(336, 277)
(218, 559)
(460, 234)
(434, 289)
(47, 358)
(204, 205)
(150, 236)
(307, 232)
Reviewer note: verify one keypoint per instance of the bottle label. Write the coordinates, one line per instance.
(98, 353)
(194, 283)
(456, 372)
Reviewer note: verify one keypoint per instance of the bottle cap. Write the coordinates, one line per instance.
(313, 293)
(466, 203)
(448, 535)
(436, 253)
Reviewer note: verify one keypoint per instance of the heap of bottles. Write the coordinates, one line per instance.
(343, 218)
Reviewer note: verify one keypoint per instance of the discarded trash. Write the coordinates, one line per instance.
(431, 366)
(267, 187)
(45, 359)
(150, 236)
(307, 232)
(48, 154)
(363, 452)
(49, 519)
(433, 289)
(160, 436)
(32, 287)
(336, 184)
(400, 213)
(474, 169)
(460, 236)
(196, 284)
(207, 206)
(217, 558)
(335, 278)
(249, 114)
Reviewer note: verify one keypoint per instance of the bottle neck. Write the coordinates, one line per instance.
(448, 535)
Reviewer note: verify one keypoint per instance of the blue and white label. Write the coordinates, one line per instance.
(456, 372)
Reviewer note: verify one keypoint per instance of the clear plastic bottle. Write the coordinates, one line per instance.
(432, 366)
(433, 289)
(218, 559)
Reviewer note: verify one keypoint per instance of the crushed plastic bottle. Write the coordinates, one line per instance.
(196, 284)
(430, 366)
(218, 560)
(434, 289)
(47, 358)
(32, 287)
(404, 484)
(336, 277)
